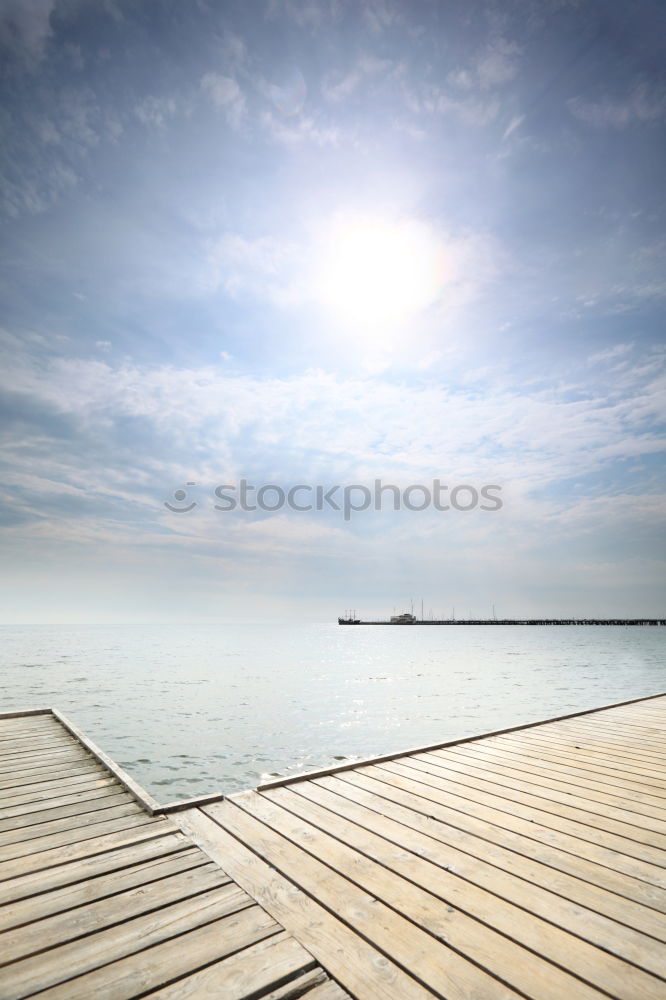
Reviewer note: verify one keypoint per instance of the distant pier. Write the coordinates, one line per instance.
(511, 621)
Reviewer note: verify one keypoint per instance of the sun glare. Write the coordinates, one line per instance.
(375, 273)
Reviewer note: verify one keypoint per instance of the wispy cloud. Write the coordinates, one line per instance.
(644, 103)
(25, 27)
(225, 94)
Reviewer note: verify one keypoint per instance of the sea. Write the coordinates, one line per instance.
(199, 709)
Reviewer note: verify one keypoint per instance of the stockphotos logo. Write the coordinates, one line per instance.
(348, 500)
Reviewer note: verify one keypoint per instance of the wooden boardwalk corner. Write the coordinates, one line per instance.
(101, 899)
(525, 864)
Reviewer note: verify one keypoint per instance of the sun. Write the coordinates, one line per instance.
(374, 273)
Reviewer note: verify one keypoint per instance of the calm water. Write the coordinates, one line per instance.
(189, 710)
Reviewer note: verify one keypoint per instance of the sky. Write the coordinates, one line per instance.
(322, 243)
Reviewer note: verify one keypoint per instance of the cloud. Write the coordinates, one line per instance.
(512, 126)
(265, 267)
(643, 104)
(300, 130)
(495, 65)
(226, 95)
(611, 353)
(475, 111)
(337, 86)
(25, 27)
(156, 111)
(305, 13)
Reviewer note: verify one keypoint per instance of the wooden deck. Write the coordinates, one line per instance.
(529, 864)
(99, 898)
(523, 864)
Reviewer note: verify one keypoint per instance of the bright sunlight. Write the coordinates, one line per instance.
(375, 273)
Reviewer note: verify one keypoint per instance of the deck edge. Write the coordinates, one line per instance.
(144, 798)
(323, 772)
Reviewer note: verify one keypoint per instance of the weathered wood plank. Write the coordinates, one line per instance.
(358, 891)
(74, 959)
(271, 962)
(27, 821)
(567, 875)
(52, 790)
(57, 930)
(616, 879)
(642, 807)
(478, 925)
(24, 780)
(380, 835)
(125, 849)
(59, 741)
(27, 805)
(649, 791)
(23, 764)
(27, 856)
(588, 753)
(12, 871)
(364, 970)
(17, 843)
(153, 967)
(528, 805)
(94, 887)
(549, 799)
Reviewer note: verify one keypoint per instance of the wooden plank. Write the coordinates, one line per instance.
(78, 851)
(26, 722)
(268, 964)
(434, 941)
(487, 930)
(67, 961)
(91, 918)
(153, 967)
(29, 855)
(327, 991)
(599, 744)
(25, 779)
(604, 765)
(10, 748)
(25, 713)
(498, 846)
(604, 728)
(508, 876)
(575, 836)
(136, 846)
(644, 807)
(592, 753)
(464, 782)
(103, 811)
(41, 724)
(47, 904)
(600, 779)
(8, 760)
(16, 843)
(368, 973)
(576, 864)
(24, 736)
(508, 784)
(513, 801)
(54, 789)
(26, 805)
(42, 763)
(28, 822)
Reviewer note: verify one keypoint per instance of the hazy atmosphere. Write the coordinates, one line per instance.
(321, 244)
